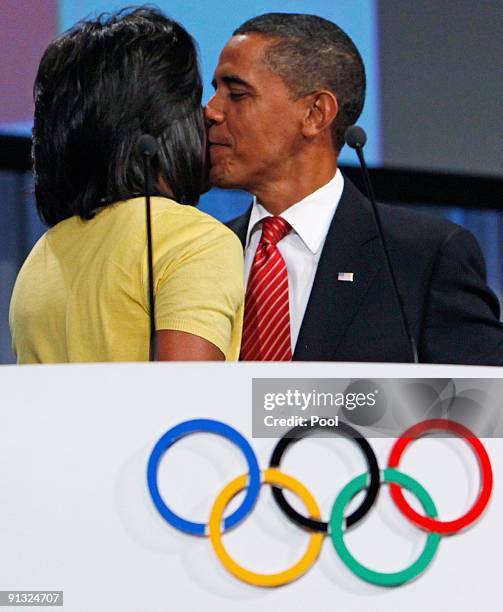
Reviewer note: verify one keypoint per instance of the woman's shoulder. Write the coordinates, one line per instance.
(174, 217)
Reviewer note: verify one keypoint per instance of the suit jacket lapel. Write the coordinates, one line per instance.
(351, 246)
(239, 226)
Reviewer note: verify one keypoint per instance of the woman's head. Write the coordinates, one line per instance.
(99, 87)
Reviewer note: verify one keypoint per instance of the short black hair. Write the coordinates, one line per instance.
(99, 87)
(311, 53)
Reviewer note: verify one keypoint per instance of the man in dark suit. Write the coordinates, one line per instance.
(286, 88)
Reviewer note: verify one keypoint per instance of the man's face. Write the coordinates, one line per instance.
(254, 125)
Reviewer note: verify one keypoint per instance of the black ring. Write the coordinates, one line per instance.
(294, 435)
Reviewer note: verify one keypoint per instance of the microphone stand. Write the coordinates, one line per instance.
(355, 138)
(147, 146)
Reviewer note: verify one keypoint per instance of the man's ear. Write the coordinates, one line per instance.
(321, 111)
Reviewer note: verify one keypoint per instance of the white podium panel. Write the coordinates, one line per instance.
(76, 514)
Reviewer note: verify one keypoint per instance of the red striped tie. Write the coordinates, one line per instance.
(266, 326)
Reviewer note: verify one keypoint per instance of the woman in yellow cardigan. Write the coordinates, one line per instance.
(82, 294)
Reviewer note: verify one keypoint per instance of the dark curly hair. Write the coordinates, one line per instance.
(99, 87)
(311, 53)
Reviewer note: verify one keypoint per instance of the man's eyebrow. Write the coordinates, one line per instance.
(232, 79)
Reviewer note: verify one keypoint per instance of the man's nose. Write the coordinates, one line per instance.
(212, 113)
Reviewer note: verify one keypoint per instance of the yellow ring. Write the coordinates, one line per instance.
(271, 476)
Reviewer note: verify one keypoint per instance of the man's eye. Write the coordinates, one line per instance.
(237, 95)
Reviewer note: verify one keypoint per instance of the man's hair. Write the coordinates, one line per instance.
(99, 87)
(311, 53)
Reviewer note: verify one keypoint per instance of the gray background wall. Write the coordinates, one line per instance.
(442, 84)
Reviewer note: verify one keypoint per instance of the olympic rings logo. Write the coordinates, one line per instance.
(337, 524)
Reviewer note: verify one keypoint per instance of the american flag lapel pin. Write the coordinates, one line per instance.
(345, 276)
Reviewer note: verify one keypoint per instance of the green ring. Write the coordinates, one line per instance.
(336, 522)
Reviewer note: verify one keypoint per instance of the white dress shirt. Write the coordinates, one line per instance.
(301, 248)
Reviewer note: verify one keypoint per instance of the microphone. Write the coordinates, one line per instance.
(147, 147)
(356, 138)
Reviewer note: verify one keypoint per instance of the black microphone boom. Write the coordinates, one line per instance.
(147, 147)
(356, 138)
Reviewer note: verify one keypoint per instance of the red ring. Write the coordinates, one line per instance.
(430, 524)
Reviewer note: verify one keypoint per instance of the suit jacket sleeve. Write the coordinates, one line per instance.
(461, 320)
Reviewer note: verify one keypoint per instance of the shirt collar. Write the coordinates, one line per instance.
(310, 218)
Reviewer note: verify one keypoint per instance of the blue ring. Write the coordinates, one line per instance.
(195, 426)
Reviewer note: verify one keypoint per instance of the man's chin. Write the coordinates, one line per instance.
(219, 179)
